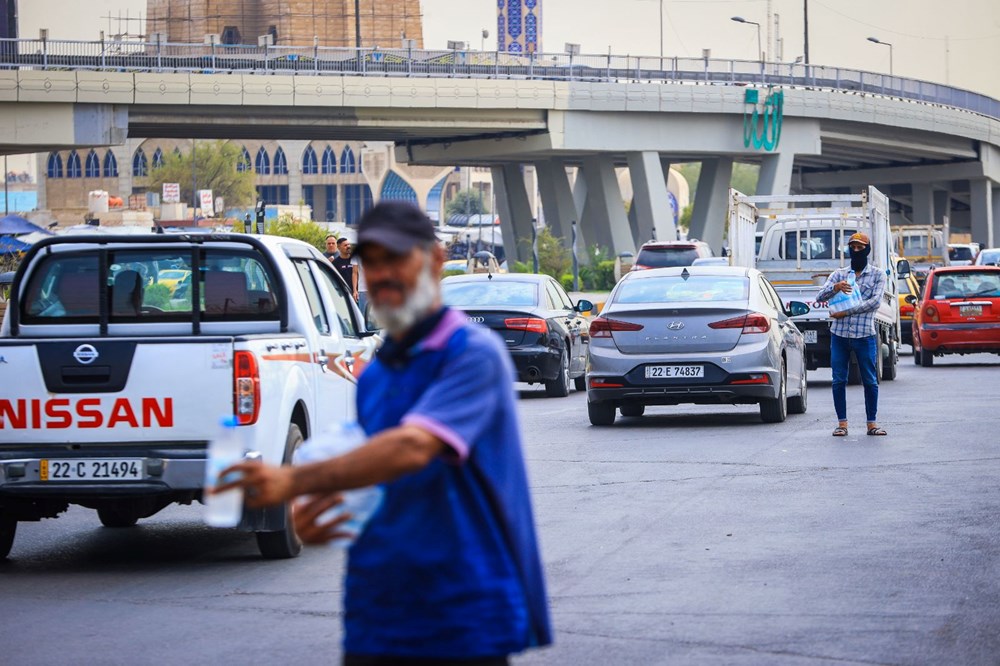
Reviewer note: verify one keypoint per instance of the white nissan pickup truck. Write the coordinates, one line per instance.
(112, 382)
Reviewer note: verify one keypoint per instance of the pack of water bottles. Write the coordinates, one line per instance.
(841, 302)
(360, 503)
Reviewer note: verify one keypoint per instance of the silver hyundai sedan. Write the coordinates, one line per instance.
(700, 334)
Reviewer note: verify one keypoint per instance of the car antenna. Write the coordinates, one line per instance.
(685, 274)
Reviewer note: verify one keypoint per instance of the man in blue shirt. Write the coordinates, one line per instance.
(447, 570)
(854, 330)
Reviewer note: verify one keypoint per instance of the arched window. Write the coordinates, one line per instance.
(92, 167)
(244, 164)
(309, 162)
(347, 162)
(54, 168)
(157, 158)
(396, 189)
(280, 163)
(262, 165)
(110, 165)
(140, 165)
(73, 169)
(329, 161)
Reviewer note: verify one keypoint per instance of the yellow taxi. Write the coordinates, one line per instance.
(171, 277)
(907, 286)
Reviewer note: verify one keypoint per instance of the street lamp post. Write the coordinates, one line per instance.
(876, 40)
(760, 52)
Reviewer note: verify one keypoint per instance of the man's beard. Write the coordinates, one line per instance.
(417, 305)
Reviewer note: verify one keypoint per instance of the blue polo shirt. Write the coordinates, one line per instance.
(448, 567)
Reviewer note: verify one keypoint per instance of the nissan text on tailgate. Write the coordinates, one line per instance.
(119, 356)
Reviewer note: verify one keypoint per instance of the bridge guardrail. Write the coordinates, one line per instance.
(141, 56)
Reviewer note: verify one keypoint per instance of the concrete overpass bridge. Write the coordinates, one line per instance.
(935, 149)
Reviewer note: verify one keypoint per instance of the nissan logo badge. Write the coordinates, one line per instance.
(85, 354)
(477, 320)
(675, 325)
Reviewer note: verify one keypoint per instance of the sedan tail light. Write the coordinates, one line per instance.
(246, 388)
(602, 327)
(931, 313)
(530, 324)
(754, 378)
(906, 310)
(751, 322)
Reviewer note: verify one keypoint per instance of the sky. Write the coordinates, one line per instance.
(838, 30)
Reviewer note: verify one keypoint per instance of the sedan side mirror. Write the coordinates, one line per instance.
(584, 306)
(797, 309)
(903, 269)
(911, 299)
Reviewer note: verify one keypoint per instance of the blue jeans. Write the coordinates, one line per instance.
(865, 350)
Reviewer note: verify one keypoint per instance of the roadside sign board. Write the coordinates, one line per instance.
(171, 192)
(207, 202)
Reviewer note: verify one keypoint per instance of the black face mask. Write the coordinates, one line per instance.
(859, 258)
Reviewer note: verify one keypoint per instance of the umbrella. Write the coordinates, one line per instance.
(14, 224)
(10, 245)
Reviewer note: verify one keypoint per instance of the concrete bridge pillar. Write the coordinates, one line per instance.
(124, 156)
(923, 203)
(708, 219)
(514, 208)
(604, 220)
(293, 156)
(983, 203)
(776, 174)
(557, 198)
(942, 205)
(650, 202)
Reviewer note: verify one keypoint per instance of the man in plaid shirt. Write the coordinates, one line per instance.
(854, 330)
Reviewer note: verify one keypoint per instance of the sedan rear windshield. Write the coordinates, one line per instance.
(666, 257)
(675, 289)
(499, 292)
(149, 285)
(966, 284)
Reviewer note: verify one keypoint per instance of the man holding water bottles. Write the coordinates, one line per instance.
(853, 330)
(447, 570)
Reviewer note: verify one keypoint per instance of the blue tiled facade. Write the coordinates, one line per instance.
(519, 26)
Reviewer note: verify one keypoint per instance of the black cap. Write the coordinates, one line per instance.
(397, 226)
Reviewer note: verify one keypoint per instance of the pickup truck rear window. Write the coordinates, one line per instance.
(813, 244)
(150, 285)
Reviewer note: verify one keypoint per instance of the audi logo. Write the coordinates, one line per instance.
(477, 320)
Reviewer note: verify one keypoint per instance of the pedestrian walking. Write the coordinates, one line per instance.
(345, 265)
(447, 570)
(853, 330)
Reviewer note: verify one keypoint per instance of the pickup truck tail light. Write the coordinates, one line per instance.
(246, 388)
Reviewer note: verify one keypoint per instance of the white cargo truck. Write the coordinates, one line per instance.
(112, 382)
(797, 241)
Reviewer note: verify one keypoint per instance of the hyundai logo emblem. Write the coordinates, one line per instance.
(477, 320)
(675, 325)
(85, 354)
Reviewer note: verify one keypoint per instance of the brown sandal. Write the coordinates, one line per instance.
(876, 432)
(840, 431)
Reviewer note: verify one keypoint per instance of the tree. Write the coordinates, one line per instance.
(214, 169)
(466, 202)
(287, 226)
(554, 258)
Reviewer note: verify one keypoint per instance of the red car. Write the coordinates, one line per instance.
(958, 312)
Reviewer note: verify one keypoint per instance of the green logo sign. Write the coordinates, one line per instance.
(762, 123)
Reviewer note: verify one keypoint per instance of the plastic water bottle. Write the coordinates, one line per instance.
(361, 503)
(225, 509)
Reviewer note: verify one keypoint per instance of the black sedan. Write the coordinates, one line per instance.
(545, 332)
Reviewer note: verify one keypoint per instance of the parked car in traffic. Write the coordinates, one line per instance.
(908, 286)
(962, 254)
(702, 335)
(664, 254)
(545, 332)
(988, 257)
(958, 312)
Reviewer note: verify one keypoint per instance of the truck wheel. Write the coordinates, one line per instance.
(775, 410)
(889, 365)
(580, 383)
(283, 544)
(8, 528)
(117, 515)
(601, 413)
(559, 387)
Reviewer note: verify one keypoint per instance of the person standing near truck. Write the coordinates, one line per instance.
(346, 266)
(853, 330)
(447, 570)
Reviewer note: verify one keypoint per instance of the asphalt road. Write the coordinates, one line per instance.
(692, 535)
